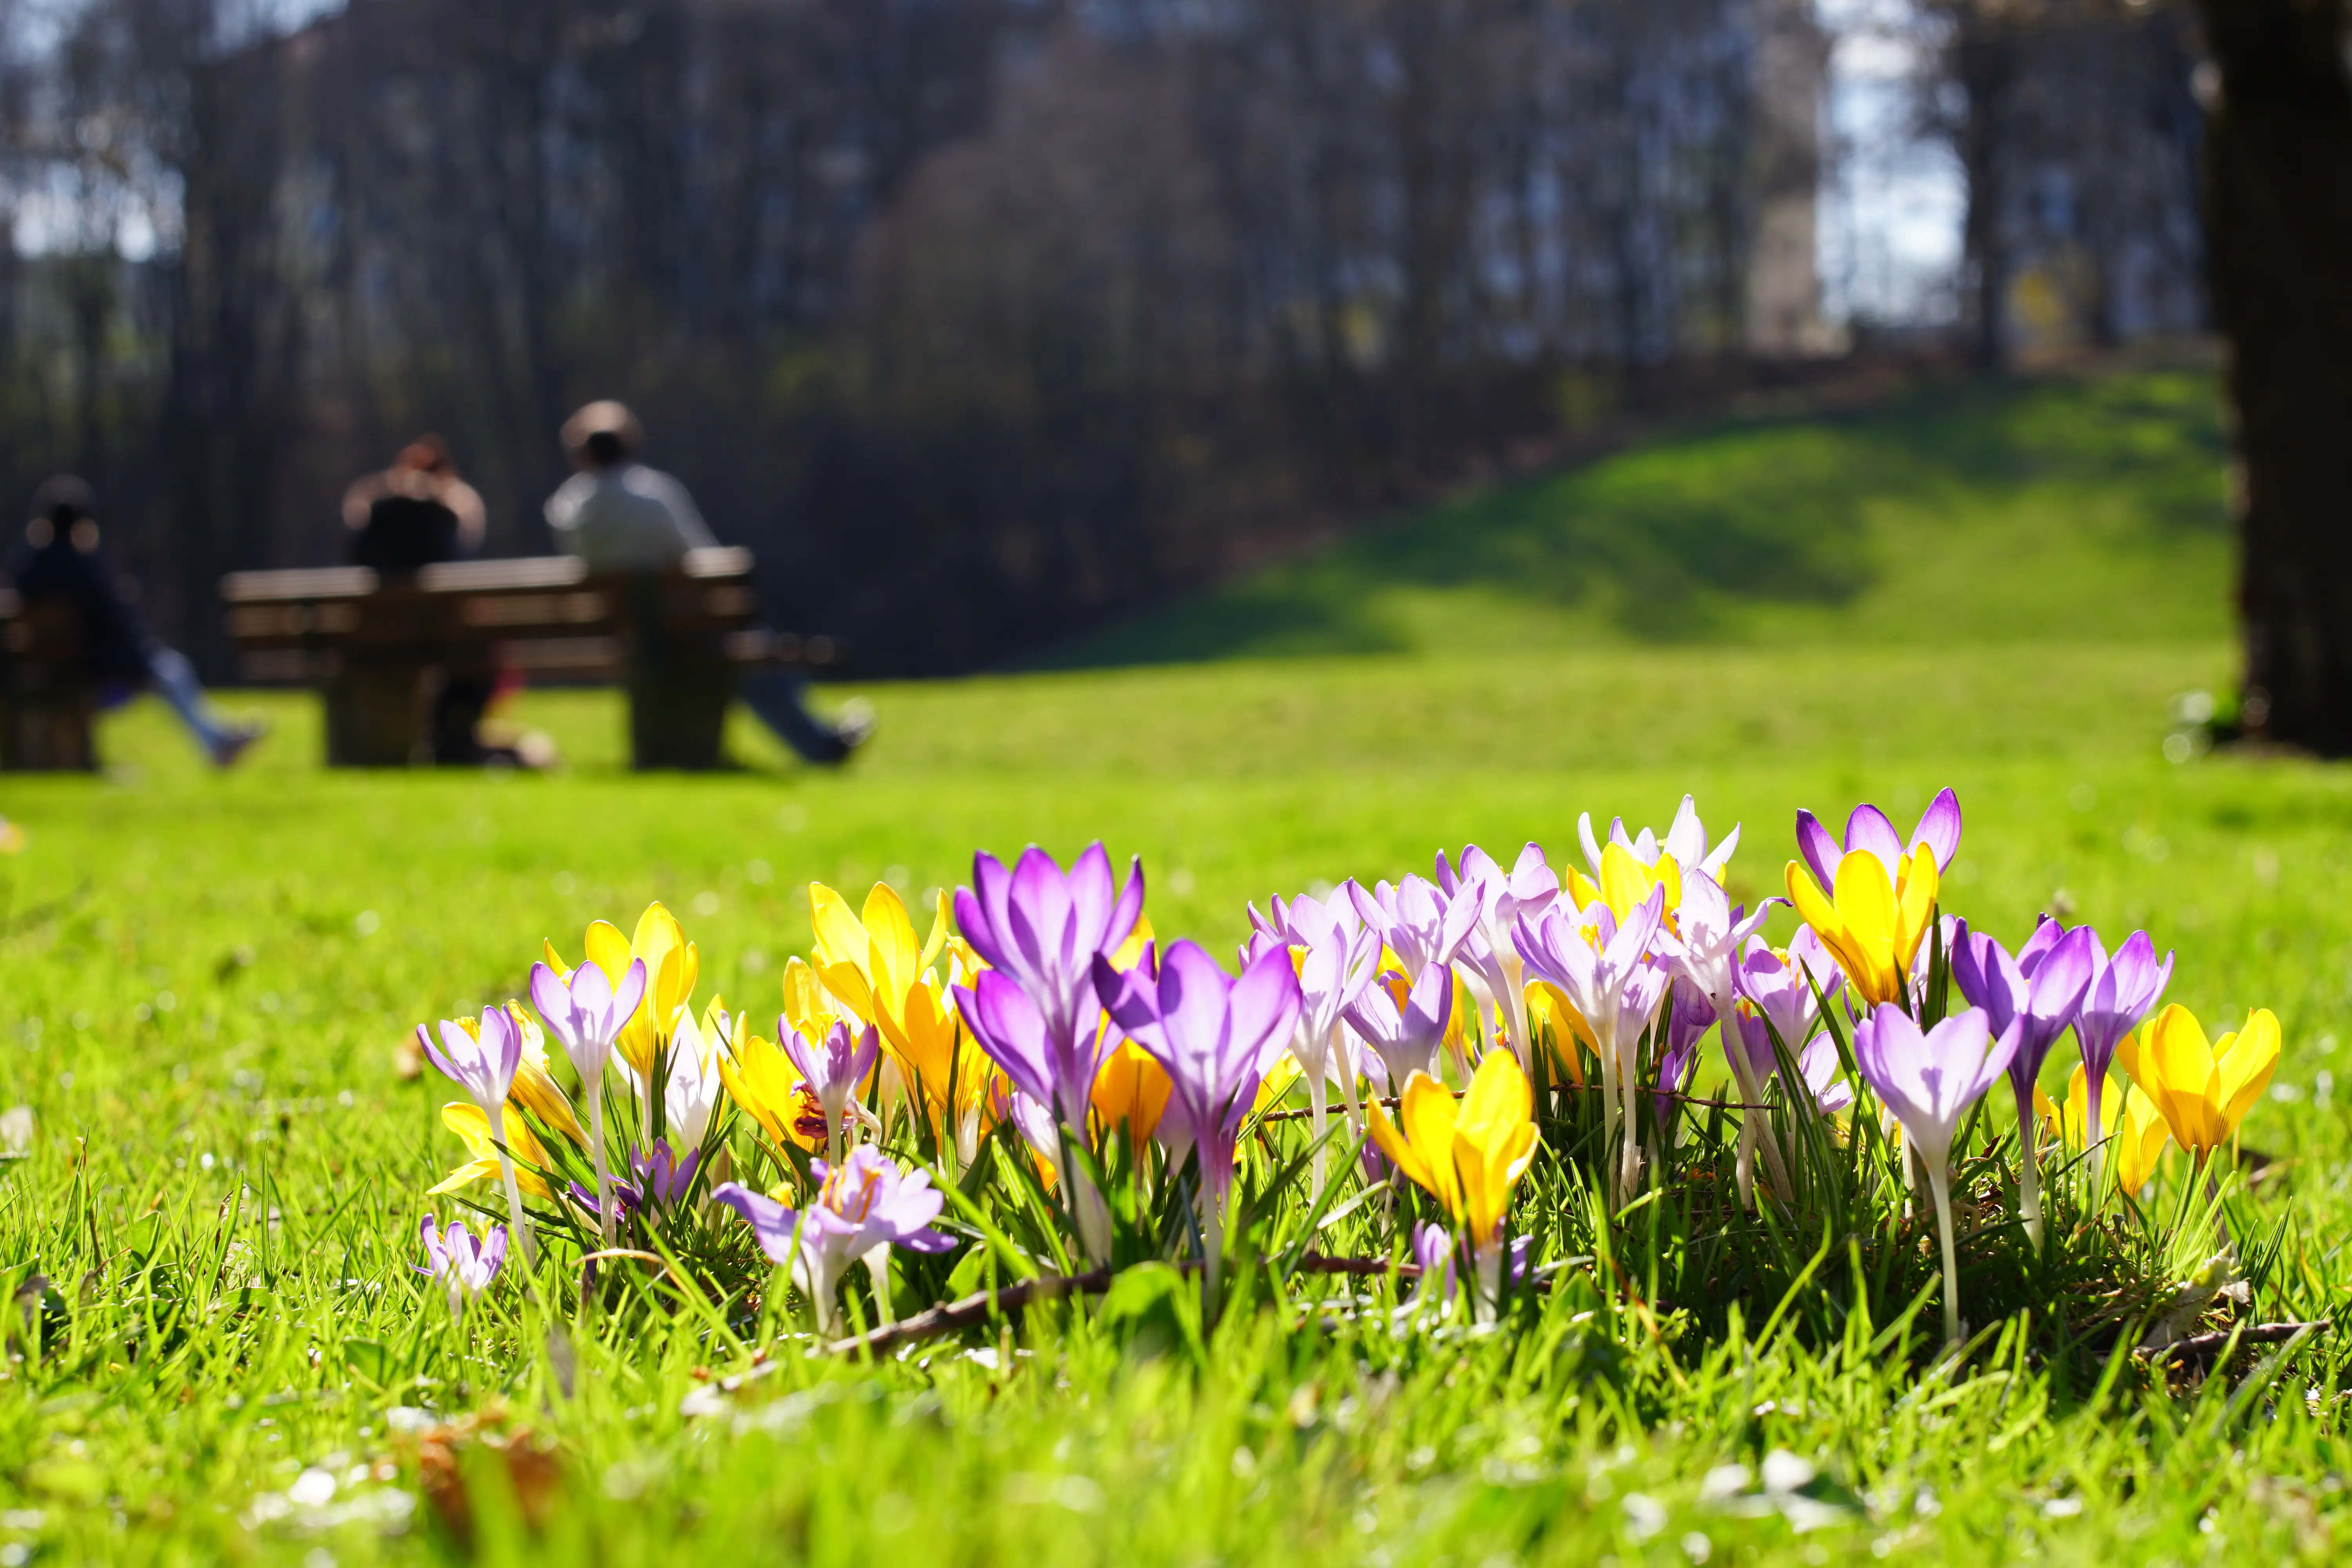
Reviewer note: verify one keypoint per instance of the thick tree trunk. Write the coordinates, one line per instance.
(2279, 227)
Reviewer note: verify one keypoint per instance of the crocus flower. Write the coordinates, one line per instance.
(1406, 1033)
(1685, 843)
(2203, 1090)
(486, 1164)
(1336, 954)
(2039, 991)
(1929, 1081)
(763, 1083)
(2123, 991)
(1215, 1035)
(1712, 930)
(1777, 988)
(672, 966)
(586, 1013)
(864, 1202)
(1467, 1156)
(1868, 831)
(1483, 903)
(873, 963)
(1817, 1064)
(1871, 922)
(1610, 975)
(482, 1061)
(1034, 1010)
(2140, 1137)
(463, 1265)
(1687, 1022)
(835, 1068)
(1432, 1254)
(1409, 919)
(691, 1084)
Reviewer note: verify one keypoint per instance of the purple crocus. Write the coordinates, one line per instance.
(1712, 930)
(586, 1015)
(483, 1062)
(1483, 903)
(1034, 1010)
(464, 1267)
(1613, 979)
(2123, 991)
(1215, 1035)
(1776, 995)
(832, 1068)
(2038, 992)
(864, 1202)
(1868, 828)
(1687, 1022)
(1405, 1038)
(662, 1179)
(1336, 956)
(1432, 1254)
(1409, 919)
(1817, 1064)
(1928, 1082)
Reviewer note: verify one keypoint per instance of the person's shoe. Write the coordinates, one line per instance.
(856, 725)
(235, 741)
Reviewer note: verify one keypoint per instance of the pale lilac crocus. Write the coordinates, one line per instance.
(586, 1015)
(1687, 841)
(1040, 929)
(1868, 828)
(1409, 919)
(1688, 1019)
(484, 1065)
(1483, 903)
(691, 1084)
(864, 1205)
(1776, 995)
(1614, 981)
(1817, 1065)
(1928, 1082)
(833, 1068)
(2039, 991)
(463, 1265)
(1213, 1035)
(1713, 930)
(1405, 1038)
(2123, 991)
(1432, 1254)
(1337, 955)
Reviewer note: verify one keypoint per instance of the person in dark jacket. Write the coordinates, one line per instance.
(414, 514)
(58, 559)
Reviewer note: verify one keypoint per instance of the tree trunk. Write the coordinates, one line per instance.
(2279, 230)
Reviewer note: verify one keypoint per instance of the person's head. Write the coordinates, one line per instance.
(425, 455)
(68, 506)
(604, 435)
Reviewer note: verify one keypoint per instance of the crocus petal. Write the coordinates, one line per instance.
(1940, 829)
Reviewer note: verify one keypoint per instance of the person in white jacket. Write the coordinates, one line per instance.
(618, 515)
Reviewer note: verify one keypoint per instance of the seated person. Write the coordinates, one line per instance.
(415, 512)
(58, 559)
(618, 515)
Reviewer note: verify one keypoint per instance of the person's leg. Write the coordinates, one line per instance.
(174, 680)
(780, 697)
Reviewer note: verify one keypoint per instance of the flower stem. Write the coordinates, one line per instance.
(1609, 1111)
(1939, 1180)
(1317, 1093)
(595, 1088)
(520, 1229)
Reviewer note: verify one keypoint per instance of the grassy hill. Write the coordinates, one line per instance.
(2063, 510)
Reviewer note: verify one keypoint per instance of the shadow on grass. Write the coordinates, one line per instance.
(1685, 540)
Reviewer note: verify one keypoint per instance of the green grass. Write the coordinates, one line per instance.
(203, 982)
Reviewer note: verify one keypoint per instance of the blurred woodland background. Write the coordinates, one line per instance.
(984, 320)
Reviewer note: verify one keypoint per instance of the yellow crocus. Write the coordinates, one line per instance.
(534, 1087)
(2203, 1090)
(1626, 883)
(2136, 1143)
(1555, 1023)
(1132, 1091)
(468, 1121)
(1872, 927)
(1467, 1154)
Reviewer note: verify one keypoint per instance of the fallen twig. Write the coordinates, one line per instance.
(2205, 1347)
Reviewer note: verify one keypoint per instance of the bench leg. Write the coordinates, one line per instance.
(377, 718)
(48, 734)
(679, 720)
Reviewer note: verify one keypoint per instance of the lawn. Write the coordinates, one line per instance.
(203, 983)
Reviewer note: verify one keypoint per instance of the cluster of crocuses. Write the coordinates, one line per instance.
(1042, 1007)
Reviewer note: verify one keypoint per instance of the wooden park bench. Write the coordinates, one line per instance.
(379, 649)
(47, 700)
